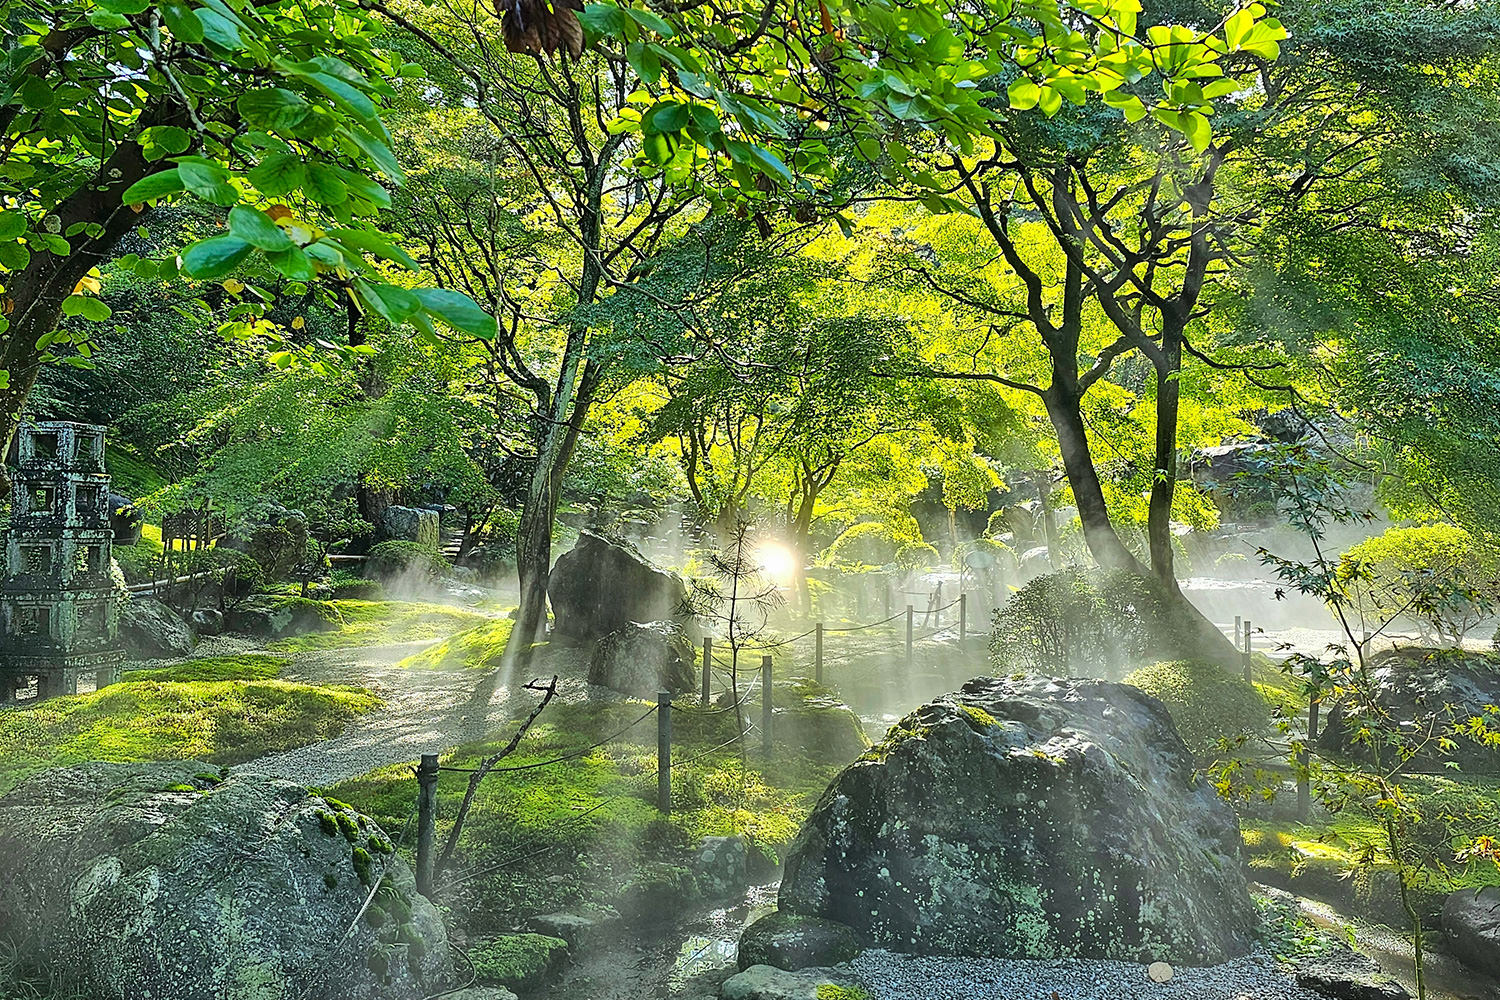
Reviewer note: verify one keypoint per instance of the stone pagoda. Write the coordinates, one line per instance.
(58, 605)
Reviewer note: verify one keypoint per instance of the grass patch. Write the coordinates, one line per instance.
(131, 475)
(140, 560)
(480, 648)
(221, 720)
(373, 623)
(589, 826)
(1453, 810)
(251, 667)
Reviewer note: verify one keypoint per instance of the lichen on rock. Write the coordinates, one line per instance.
(1031, 818)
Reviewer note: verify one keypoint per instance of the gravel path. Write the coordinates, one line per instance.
(425, 711)
(897, 977)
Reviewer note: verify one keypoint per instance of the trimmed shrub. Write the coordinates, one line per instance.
(139, 560)
(1208, 702)
(1434, 576)
(870, 543)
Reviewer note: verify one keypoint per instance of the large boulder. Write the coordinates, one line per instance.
(642, 659)
(791, 942)
(408, 524)
(150, 630)
(1422, 688)
(1028, 818)
(145, 881)
(1471, 923)
(599, 586)
(125, 520)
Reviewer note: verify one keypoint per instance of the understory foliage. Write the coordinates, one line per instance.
(1437, 577)
(1076, 623)
(1212, 706)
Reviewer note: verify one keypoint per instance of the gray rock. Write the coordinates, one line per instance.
(1348, 975)
(601, 585)
(762, 982)
(208, 621)
(520, 962)
(482, 993)
(142, 881)
(573, 928)
(408, 524)
(1030, 818)
(722, 865)
(125, 520)
(643, 659)
(791, 942)
(151, 631)
(1471, 923)
(1421, 686)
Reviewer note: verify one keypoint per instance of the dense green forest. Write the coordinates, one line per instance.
(1045, 453)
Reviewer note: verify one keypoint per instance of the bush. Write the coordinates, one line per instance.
(140, 560)
(407, 562)
(870, 543)
(1208, 702)
(274, 536)
(1434, 576)
(1061, 622)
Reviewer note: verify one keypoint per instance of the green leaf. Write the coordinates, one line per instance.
(214, 258)
(219, 30)
(12, 225)
(278, 174)
(14, 256)
(667, 116)
(273, 109)
(650, 21)
(1023, 94)
(394, 304)
(771, 163)
(88, 308)
(124, 6)
(1197, 129)
(293, 263)
(108, 20)
(1128, 104)
(256, 228)
(157, 185)
(371, 242)
(603, 19)
(208, 181)
(458, 311)
(180, 20)
(324, 185)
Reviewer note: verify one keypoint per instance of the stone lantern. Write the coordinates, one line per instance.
(59, 614)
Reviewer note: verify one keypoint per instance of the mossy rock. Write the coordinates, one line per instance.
(791, 941)
(520, 962)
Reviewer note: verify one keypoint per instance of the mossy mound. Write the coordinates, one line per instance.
(1209, 703)
(520, 962)
(480, 648)
(344, 623)
(224, 710)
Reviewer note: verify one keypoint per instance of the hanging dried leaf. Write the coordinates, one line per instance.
(541, 27)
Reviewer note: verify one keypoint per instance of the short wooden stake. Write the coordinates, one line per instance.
(1246, 655)
(664, 752)
(910, 615)
(818, 653)
(765, 704)
(963, 616)
(708, 664)
(427, 779)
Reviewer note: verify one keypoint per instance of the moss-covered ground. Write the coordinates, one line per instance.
(225, 710)
(480, 648)
(1345, 858)
(373, 623)
(584, 832)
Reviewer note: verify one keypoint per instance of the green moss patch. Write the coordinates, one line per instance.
(224, 721)
(216, 668)
(371, 623)
(520, 962)
(1208, 702)
(480, 647)
(589, 826)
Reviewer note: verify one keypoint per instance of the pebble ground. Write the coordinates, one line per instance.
(898, 977)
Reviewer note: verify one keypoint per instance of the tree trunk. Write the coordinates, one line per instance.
(1078, 463)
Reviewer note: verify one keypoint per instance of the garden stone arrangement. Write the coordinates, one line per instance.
(172, 880)
(1032, 818)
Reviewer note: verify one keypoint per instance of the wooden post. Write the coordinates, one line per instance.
(664, 752)
(818, 653)
(887, 589)
(909, 616)
(1245, 657)
(765, 704)
(1364, 646)
(1236, 631)
(708, 665)
(427, 779)
(963, 616)
(1304, 790)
